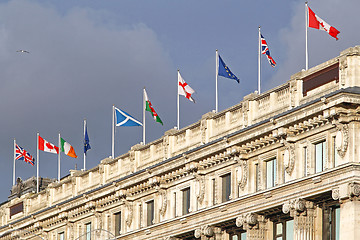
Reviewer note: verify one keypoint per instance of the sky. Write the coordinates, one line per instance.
(88, 55)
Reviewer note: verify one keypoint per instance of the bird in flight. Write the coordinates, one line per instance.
(23, 51)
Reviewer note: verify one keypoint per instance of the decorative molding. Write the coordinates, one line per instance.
(206, 230)
(335, 193)
(128, 213)
(342, 139)
(201, 188)
(163, 206)
(354, 189)
(289, 158)
(243, 173)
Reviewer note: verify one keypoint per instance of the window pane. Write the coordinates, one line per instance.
(243, 236)
(290, 230)
(319, 157)
(305, 160)
(117, 223)
(88, 231)
(150, 213)
(234, 237)
(270, 173)
(336, 155)
(337, 223)
(186, 201)
(61, 236)
(278, 228)
(226, 187)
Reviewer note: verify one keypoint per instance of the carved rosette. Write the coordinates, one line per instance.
(335, 193)
(243, 174)
(201, 188)
(128, 213)
(163, 206)
(289, 158)
(354, 189)
(342, 140)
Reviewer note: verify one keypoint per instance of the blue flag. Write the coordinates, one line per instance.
(224, 71)
(86, 141)
(125, 119)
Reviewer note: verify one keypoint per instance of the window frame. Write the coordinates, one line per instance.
(226, 187)
(273, 172)
(150, 212)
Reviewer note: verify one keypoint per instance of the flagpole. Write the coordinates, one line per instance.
(306, 37)
(259, 63)
(38, 163)
(144, 127)
(84, 145)
(178, 103)
(216, 81)
(14, 162)
(113, 133)
(59, 158)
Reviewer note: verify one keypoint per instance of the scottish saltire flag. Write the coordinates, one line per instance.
(86, 141)
(22, 155)
(265, 50)
(125, 119)
(224, 71)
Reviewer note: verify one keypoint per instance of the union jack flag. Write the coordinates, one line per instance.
(21, 154)
(265, 50)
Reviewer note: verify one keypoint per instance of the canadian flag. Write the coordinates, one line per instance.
(184, 89)
(318, 23)
(47, 147)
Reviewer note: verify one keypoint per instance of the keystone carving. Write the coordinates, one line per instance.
(342, 140)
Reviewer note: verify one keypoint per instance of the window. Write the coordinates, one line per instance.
(213, 191)
(88, 231)
(320, 150)
(305, 160)
(271, 173)
(186, 201)
(175, 203)
(150, 213)
(238, 236)
(61, 236)
(257, 177)
(226, 187)
(117, 224)
(331, 224)
(335, 154)
(284, 230)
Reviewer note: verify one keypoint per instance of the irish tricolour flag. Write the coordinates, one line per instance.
(67, 148)
(149, 107)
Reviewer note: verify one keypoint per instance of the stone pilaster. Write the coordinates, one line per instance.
(303, 213)
(254, 224)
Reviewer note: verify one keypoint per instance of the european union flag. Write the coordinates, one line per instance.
(224, 71)
(86, 141)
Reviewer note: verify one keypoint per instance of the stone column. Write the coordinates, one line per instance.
(254, 224)
(349, 198)
(303, 213)
(204, 232)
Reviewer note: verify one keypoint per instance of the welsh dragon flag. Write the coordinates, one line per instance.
(150, 108)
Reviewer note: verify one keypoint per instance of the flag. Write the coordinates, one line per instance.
(184, 89)
(86, 141)
(149, 107)
(67, 148)
(318, 23)
(265, 50)
(47, 147)
(225, 71)
(125, 119)
(22, 155)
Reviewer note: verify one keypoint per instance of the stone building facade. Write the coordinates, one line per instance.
(281, 165)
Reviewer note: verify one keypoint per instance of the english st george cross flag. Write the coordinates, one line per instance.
(316, 22)
(184, 89)
(22, 155)
(47, 147)
(265, 50)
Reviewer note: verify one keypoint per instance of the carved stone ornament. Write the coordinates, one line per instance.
(197, 233)
(249, 219)
(342, 140)
(296, 206)
(289, 159)
(206, 230)
(200, 189)
(128, 213)
(163, 207)
(354, 189)
(335, 193)
(243, 174)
